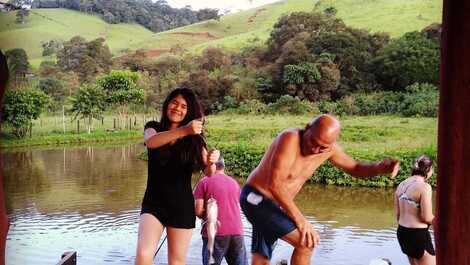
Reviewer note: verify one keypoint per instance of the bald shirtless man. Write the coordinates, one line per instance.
(267, 199)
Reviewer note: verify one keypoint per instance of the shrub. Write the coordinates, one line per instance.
(22, 107)
(291, 105)
(411, 58)
(420, 100)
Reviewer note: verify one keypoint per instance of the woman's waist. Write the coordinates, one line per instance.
(412, 224)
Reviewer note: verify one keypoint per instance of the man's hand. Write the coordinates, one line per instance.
(213, 156)
(194, 127)
(308, 235)
(391, 166)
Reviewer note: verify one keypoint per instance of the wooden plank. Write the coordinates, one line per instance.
(68, 258)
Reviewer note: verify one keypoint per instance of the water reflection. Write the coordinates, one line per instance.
(88, 199)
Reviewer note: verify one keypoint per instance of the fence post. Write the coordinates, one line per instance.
(78, 126)
(63, 118)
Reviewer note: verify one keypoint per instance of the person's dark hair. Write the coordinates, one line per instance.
(192, 144)
(421, 166)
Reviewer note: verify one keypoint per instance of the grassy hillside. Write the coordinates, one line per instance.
(232, 31)
(46, 24)
(253, 26)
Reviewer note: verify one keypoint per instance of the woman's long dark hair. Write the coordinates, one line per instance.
(192, 144)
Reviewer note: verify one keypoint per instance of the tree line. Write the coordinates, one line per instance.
(156, 16)
(311, 62)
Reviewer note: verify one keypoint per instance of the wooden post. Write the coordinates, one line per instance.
(31, 129)
(63, 118)
(114, 123)
(78, 126)
(68, 258)
(453, 178)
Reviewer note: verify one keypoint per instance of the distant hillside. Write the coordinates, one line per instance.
(232, 31)
(47, 24)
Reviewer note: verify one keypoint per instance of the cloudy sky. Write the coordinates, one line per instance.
(232, 5)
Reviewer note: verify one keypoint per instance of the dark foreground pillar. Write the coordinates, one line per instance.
(453, 190)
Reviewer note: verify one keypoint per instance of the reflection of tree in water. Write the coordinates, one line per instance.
(23, 174)
(87, 180)
(368, 207)
(114, 174)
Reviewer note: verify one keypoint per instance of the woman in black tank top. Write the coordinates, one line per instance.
(176, 148)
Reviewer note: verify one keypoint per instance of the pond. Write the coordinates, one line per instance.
(88, 199)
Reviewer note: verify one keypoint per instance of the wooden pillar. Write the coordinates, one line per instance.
(453, 180)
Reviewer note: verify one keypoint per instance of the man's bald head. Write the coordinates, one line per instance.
(320, 135)
(326, 126)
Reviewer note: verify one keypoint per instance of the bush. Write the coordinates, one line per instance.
(22, 107)
(417, 100)
(52, 87)
(420, 100)
(411, 58)
(292, 105)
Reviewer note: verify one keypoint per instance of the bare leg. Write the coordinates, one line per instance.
(427, 259)
(258, 259)
(178, 244)
(150, 232)
(302, 254)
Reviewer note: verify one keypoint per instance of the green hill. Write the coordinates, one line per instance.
(232, 31)
(46, 24)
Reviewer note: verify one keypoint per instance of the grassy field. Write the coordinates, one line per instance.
(370, 134)
(243, 140)
(232, 31)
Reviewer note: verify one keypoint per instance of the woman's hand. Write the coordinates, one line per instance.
(194, 127)
(213, 156)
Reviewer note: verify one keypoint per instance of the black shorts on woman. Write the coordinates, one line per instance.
(414, 241)
(169, 195)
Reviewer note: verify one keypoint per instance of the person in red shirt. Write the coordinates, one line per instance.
(229, 238)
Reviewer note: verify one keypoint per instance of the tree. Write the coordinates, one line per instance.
(121, 90)
(89, 102)
(18, 64)
(22, 107)
(352, 52)
(53, 88)
(289, 26)
(412, 58)
(213, 58)
(51, 47)
(87, 59)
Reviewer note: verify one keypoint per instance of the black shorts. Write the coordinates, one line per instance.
(414, 241)
(171, 216)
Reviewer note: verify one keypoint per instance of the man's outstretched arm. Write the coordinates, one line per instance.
(361, 169)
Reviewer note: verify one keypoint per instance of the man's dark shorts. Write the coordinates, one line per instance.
(269, 221)
(232, 247)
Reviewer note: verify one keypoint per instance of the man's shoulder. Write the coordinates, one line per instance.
(289, 135)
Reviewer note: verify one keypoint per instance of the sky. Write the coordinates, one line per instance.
(222, 5)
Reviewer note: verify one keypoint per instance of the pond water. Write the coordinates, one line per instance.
(88, 199)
